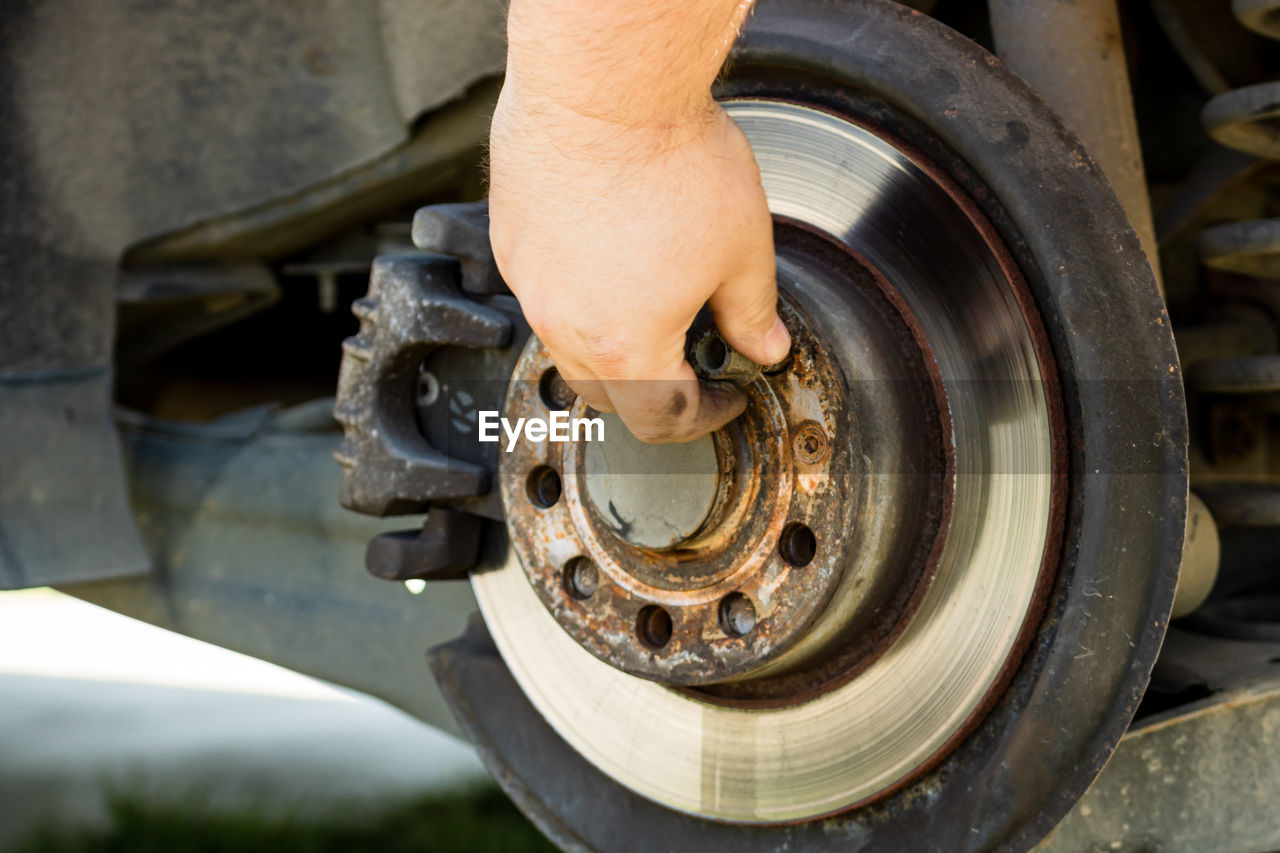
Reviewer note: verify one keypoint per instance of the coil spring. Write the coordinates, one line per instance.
(1246, 120)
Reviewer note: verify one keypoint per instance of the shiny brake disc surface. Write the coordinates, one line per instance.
(842, 748)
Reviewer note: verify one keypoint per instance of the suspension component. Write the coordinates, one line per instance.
(1233, 389)
(1244, 119)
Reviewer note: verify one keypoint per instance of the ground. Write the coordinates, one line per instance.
(116, 735)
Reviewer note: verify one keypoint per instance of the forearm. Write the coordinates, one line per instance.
(623, 200)
(644, 63)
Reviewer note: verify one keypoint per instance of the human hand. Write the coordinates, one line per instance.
(614, 236)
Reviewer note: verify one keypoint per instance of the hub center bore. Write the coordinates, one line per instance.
(655, 496)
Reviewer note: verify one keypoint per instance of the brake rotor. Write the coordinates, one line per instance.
(990, 695)
(845, 745)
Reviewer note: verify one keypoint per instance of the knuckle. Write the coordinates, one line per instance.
(542, 321)
(607, 353)
(757, 318)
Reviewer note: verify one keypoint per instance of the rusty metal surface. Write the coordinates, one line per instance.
(901, 418)
(869, 544)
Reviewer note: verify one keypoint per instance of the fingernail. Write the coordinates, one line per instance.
(777, 342)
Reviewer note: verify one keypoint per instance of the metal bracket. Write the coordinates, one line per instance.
(444, 549)
(461, 230)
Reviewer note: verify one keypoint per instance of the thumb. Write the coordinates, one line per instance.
(746, 313)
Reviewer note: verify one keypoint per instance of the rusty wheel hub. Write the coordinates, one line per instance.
(777, 554)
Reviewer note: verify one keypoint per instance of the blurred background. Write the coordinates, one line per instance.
(118, 735)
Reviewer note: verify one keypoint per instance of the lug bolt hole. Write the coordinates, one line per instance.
(581, 577)
(556, 394)
(737, 614)
(543, 486)
(798, 545)
(653, 626)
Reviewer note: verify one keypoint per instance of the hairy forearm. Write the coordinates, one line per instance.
(623, 201)
(640, 63)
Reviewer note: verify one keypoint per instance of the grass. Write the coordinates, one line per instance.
(478, 822)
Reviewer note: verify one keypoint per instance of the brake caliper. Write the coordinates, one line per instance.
(439, 335)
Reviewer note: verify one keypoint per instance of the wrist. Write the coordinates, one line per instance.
(643, 65)
(530, 116)
(559, 96)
